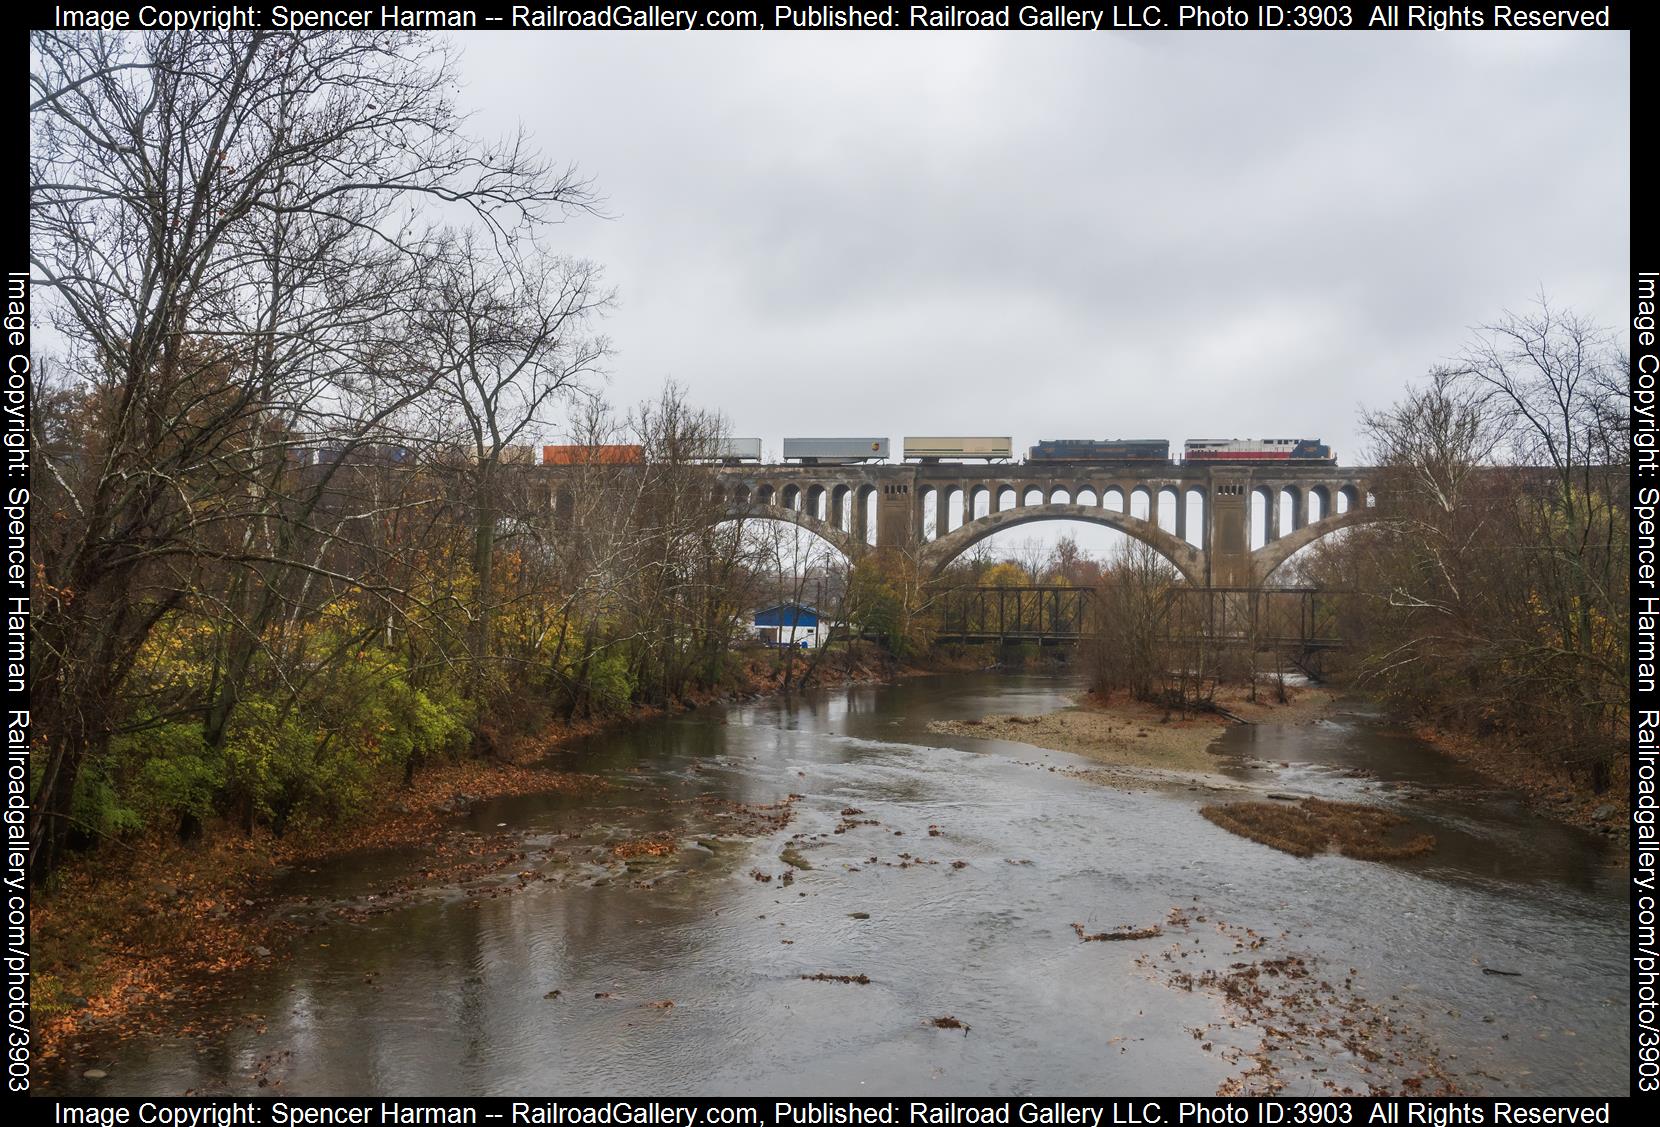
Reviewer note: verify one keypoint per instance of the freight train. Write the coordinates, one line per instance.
(852, 451)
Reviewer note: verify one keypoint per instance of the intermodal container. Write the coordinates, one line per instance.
(593, 455)
(739, 450)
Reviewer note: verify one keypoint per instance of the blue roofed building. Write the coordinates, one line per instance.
(788, 624)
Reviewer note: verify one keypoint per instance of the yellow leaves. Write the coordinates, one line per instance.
(1006, 574)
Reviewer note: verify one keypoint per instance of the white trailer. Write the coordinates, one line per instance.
(734, 450)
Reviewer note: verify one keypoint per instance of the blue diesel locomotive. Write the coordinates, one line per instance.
(1139, 451)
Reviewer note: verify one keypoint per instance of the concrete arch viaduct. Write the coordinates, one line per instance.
(835, 502)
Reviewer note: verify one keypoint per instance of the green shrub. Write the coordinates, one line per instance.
(610, 685)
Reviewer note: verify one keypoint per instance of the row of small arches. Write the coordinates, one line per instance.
(852, 509)
(1182, 513)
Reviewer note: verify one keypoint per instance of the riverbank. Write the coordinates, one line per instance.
(1546, 790)
(140, 927)
(137, 929)
(1127, 733)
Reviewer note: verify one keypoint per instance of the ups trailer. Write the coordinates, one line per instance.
(835, 451)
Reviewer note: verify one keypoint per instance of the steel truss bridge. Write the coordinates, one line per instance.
(1300, 620)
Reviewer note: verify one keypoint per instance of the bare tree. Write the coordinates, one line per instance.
(1558, 378)
(1125, 651)
(223, 222)
(1501, 573)
(504, 334)
(1033, 556)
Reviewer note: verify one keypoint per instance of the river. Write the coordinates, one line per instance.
(953, 885)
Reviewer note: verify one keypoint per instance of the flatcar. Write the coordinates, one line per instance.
(1310, 450)
(835, 451)
(933, 449)
(601, 455)
(1135, 450)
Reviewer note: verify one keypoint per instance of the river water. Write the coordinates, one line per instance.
(954, 887)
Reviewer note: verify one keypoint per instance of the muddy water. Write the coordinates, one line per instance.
(452, 992)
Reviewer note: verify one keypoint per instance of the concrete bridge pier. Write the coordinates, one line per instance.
(898, 510)
(1228, 545)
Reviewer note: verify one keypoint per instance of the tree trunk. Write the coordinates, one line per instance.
(484, 568)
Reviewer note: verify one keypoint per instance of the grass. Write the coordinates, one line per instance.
(1314, 826)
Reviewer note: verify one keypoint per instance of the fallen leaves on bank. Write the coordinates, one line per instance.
(126, 931)
(1552, 789)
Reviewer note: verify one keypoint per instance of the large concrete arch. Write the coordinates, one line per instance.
(1267, 559)
(823, 529)
(1187, 559)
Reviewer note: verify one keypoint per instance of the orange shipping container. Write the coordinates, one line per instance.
(593, 455)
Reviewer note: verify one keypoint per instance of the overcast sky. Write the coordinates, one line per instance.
(1072, 235)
